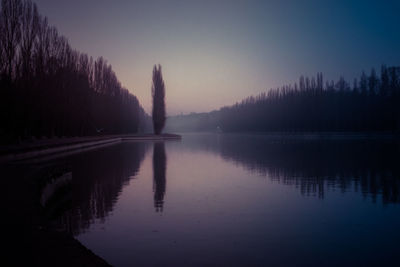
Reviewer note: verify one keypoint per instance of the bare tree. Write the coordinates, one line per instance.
(11, 12)
(30, 27)
(41, 46)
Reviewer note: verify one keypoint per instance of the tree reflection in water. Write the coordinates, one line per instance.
(159, 170)
(314, 166)
(97, 180)
(368, 165)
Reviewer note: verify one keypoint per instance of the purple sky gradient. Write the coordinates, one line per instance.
(215, 53)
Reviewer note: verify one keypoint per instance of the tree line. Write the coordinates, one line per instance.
(370, 104)
(49, 89)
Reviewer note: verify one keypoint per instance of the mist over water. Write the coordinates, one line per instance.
(238, 200)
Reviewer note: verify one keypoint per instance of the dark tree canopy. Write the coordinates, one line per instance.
(158, 93)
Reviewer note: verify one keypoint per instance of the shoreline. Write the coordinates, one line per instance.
(73, 144)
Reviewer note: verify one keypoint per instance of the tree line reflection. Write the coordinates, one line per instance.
(313, 164)
(98, 179)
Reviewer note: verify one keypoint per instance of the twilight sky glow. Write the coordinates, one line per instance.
(215, 53)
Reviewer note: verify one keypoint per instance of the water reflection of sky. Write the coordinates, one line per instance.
(240, 201)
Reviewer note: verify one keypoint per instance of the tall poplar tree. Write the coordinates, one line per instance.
(158, 93)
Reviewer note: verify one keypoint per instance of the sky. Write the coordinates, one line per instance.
(215, 53)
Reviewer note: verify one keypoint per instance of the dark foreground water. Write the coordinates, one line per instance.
(237, 200)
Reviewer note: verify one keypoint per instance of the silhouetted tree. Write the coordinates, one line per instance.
(372, 82)
(11, 13)
(48, 89)
(30, 27)
(384, 81)
(158, 93)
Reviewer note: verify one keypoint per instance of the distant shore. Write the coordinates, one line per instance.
(345, 135)
(325, 135)
(46, 147)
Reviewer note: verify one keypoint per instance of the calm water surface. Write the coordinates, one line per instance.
(238, 200)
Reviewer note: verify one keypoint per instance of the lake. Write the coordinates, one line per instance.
(236, 200)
